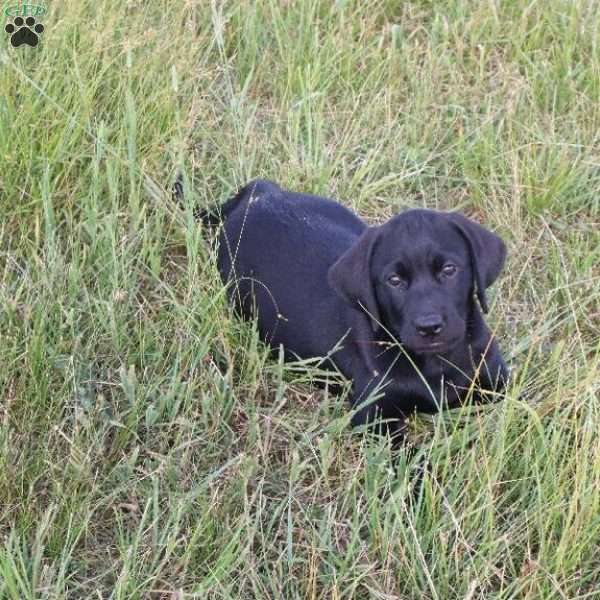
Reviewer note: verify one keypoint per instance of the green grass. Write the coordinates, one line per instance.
(149, 447)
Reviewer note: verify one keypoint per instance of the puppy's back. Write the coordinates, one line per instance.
(276, 248)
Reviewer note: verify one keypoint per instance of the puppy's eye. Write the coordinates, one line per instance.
(395, 280)
(449, 270)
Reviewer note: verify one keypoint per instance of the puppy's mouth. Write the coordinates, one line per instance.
(434, 346)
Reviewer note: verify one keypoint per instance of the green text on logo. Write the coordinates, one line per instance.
(25, 10)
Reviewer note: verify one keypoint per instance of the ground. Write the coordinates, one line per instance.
(149, 447)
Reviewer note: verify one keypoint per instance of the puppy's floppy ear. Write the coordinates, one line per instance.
(350, 275)
(487, 253)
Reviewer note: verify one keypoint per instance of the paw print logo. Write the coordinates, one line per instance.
(24, 31)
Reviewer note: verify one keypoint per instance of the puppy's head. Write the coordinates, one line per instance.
(417, 276)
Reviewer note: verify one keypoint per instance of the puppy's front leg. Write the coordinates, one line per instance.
(372, 414)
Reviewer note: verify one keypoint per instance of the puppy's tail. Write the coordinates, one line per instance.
(209, 217)
(213, 216)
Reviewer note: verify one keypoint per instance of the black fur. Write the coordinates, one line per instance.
(314, 273)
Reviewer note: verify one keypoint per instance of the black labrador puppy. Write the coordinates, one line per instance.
(397, 299)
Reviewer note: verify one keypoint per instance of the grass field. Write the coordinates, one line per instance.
(149, 446)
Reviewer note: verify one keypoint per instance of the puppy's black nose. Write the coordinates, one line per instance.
(429, 325)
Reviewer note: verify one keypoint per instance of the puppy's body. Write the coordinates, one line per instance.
(282, 246)
(315, 274)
